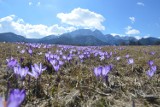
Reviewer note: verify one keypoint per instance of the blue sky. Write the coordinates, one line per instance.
(39, 18)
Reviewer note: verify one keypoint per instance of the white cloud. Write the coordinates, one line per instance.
(17, 25)
(140, 3)
(144, 36)
(30, 3)
(131, 31)
(115, 34)
(7, 18)
(147, 36)
(138, 37)
(132, 19)
(39, 3)
(82, 18)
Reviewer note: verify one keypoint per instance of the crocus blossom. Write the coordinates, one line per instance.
(130, 61)
(11, 62)
(30, 51)
(127, 56)
(150, 63)
(152, 53)
(98, 71)
(56, 67)
(36, 70)
(151, 71)
(106, 70)
(53, 62)
(16, 97)
(39, 68)
(102, 71)
(21, 71)
(22, 51)
(102, 57)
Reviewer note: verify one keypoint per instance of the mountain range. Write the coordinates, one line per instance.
(82, 37)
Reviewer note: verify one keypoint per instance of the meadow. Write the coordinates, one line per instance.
(39, 75)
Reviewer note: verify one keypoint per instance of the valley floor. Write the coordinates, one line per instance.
(108, 76)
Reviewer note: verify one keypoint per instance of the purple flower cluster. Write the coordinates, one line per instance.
(152, 69)
(22, 72)
(102, 71)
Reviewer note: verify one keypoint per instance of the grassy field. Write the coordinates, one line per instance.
(70, 80)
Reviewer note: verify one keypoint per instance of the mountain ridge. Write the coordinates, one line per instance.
(82, 37)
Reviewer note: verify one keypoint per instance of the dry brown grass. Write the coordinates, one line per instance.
(75, 85)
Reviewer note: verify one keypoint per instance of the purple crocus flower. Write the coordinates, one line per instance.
(69, 58)
(81, 56)
(11, 62)
(130, 61)
(21, 71)
(56, 68)
(150, 63)
(33, 73)
(127, 56)
(16, 97)
(151, 71)
(111, 53)
(36, 70)
(53, 62)
(22, 51)
(106, 70)
(30, 51)
(98, 71)
(102, 57)
(39, 68)
(47, 56)
(64, 57)
(16, 70)
(152, 53)
(154, 68)
(60, 62)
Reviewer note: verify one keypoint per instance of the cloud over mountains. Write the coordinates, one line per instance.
(17, 25)
(82, 18)
(131, 31)
(77, 18)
